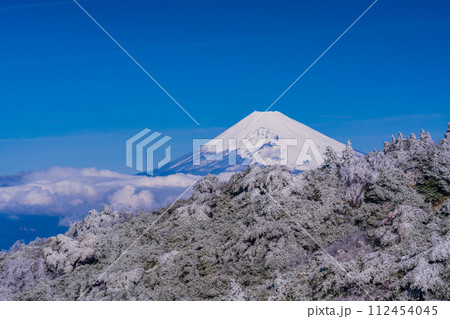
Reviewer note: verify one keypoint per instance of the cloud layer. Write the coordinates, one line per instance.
(71, 192)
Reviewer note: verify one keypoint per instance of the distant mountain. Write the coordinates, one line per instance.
(261, 138)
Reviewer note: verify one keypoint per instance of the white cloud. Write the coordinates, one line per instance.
(129, 198)
(71, 192)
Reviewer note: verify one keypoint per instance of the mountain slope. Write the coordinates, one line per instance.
(267, 234)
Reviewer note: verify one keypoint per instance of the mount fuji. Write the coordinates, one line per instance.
(261, 138)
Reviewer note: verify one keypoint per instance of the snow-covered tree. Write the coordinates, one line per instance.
(348, 155)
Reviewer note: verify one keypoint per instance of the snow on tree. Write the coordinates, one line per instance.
(348, 155)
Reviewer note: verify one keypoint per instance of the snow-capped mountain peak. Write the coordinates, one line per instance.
(261, 138)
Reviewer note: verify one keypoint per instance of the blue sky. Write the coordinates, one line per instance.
(62, 77)
(70, 97)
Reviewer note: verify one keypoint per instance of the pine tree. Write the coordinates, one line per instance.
(425, 139)
(331, 158)
(445, 142)
(348, 155)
